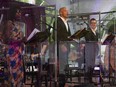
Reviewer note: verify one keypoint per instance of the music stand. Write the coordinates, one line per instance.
(79, 34)
(76, 36)
(108, 39)
(39, 37)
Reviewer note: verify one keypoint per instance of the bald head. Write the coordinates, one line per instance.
(63, 12)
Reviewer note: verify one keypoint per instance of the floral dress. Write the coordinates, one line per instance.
(15, 53)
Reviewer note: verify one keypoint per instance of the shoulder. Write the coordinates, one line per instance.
(59, 19)
(89, 31)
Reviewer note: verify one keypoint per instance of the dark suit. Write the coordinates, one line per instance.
(62, 32)
(90, 36)
(62, 36)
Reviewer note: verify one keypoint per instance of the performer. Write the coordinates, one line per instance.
(63, 32)
(63, 29)
(92, 35)
(91, 47)
(15, 48)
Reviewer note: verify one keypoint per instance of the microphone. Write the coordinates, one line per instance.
(104, 27)
(79, 23)
(47, 24)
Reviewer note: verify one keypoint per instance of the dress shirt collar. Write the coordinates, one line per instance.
(63, 19)
(65, 22)
(94, 30)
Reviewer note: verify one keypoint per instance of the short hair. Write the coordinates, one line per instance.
(92, 19)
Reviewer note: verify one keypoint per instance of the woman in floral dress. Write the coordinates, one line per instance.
(15, 49)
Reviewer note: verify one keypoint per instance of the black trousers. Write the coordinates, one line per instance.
(62, 80)
(89, 74)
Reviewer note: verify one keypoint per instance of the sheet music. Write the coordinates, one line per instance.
(107, 39)
(103, 38)
(43, 49)
(33, 33)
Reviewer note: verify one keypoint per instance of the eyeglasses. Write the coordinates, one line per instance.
(93, 22)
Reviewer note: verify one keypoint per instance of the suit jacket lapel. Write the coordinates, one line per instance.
(69, 32)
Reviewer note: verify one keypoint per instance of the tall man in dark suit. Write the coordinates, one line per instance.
(62, 32)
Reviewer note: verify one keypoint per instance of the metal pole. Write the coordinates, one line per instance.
(56, 50)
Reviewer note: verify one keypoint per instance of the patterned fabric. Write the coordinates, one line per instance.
(15, 63)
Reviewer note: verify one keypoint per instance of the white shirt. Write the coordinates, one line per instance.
(94, 30)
